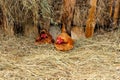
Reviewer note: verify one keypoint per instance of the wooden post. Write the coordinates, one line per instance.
(67, 15)
(91, 21)
(114, 11)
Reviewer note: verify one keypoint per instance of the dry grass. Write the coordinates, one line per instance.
(97, 58)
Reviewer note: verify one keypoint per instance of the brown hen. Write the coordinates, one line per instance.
(64, 42)
(43, 38)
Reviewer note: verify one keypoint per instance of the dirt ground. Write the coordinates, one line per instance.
(97, 58)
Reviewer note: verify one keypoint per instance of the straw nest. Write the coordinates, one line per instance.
(91, 59)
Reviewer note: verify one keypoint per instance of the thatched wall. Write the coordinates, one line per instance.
(26, 15)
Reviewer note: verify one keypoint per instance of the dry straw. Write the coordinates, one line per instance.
(97, 58)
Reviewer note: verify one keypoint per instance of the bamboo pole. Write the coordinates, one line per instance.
(67, 15)
(91, 21)
(114, 11)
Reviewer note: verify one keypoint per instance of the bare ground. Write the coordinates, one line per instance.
(97, 58)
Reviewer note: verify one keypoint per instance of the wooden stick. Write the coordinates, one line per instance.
(67, 15)
(91, 21)
(114, 11)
